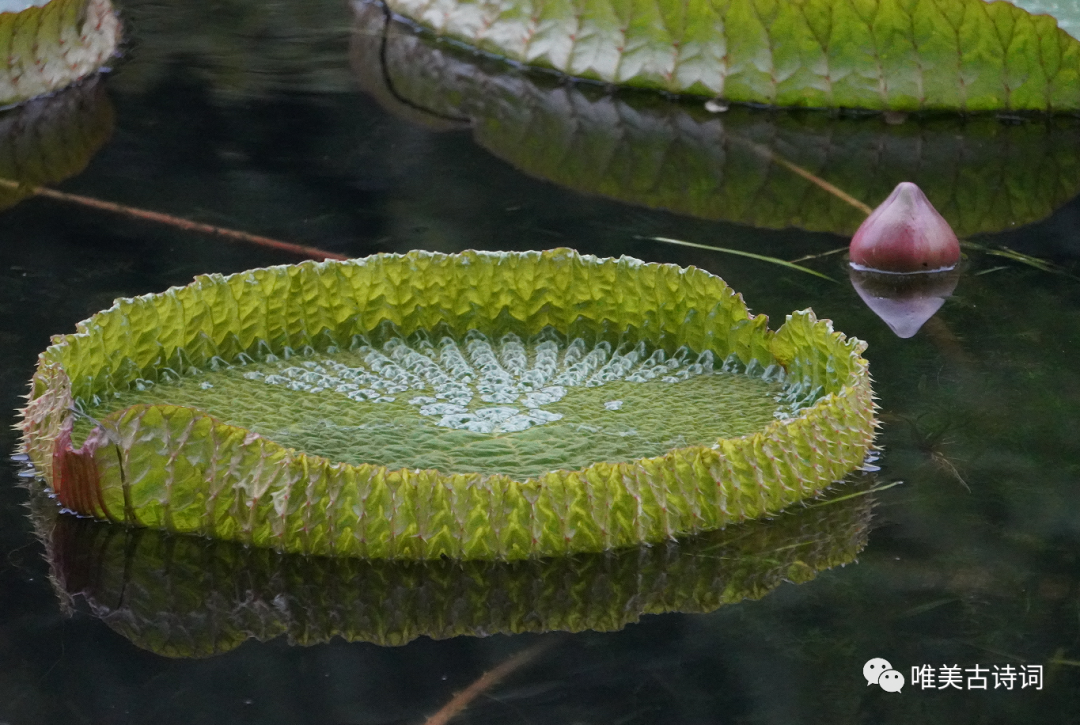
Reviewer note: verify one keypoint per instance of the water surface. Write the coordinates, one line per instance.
(254, 122)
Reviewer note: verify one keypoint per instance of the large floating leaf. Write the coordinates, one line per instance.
(477, 406)
(184, 596)
(47, 46)
(984, 175)
(51, 139)
(964, 55)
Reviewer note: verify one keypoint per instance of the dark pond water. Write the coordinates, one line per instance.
(301, 122)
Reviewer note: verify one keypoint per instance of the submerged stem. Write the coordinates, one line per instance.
(814, 179)
(486, 681)
(173, 221)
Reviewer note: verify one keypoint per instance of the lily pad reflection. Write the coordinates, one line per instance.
(186, 596)
(50, 139)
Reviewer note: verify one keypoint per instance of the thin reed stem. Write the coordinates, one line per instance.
(173, 221)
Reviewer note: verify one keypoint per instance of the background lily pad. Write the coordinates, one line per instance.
(983, 174)
(48, 46)
(961, 55)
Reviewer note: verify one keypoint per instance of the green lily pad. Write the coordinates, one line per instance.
(472, 406)
(983, 174)
(185, 596)
(50, 45)
(908, 55)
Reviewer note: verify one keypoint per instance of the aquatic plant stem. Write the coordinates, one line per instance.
(486, 681)
(864, 492)
(740, 253)
(1020, 258)
(808, 257)
(946, 340)
(173, 221)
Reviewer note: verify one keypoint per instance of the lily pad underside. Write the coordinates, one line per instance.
(184, 596)
(907, 55)
(750, 166)
(473, 406)
(50, 45)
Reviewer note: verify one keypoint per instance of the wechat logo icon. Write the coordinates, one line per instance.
(878, 671)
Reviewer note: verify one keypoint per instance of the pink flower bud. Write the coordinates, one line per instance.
(905, 234)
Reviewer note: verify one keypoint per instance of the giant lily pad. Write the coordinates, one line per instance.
(184, 596)
(474, 406)
(47, 45)
(983, 174)
(962, 55)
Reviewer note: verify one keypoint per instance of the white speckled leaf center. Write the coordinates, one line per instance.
(508, 406)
